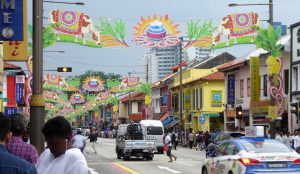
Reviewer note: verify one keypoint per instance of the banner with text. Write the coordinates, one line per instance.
(255, 80)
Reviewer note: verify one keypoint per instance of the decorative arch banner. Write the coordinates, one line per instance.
(68, 25)
(93, 84)
(156, 32)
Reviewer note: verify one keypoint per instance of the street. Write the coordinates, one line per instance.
(105, 161)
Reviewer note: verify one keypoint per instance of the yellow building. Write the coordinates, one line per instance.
(203, 98)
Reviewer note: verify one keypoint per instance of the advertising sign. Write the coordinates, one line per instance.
(17, 50)
(231, 89)
(12, 18)
(254, 74)
(201, 119)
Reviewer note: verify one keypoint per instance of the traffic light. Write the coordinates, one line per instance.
(239, 112)
(64, 69)
(297, 108)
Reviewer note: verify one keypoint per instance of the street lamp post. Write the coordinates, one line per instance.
(270, 4)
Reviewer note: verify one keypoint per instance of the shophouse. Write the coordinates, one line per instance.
(240, 90)
(295, 69)
(130, 107)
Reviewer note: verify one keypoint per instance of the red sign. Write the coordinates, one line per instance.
(11, 90)
(137, 117)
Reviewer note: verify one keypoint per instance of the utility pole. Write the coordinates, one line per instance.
(37, 103)
(180, 89)
(129, 97)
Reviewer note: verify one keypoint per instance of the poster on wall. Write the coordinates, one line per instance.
(156, 32)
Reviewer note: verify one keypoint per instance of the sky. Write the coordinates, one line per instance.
(122, 60)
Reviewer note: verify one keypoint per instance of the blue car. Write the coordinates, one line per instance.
(252, 156)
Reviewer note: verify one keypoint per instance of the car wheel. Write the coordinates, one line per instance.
(230, 172)
(204, 171)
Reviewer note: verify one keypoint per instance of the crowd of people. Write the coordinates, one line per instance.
(291, 140)
(63, 153)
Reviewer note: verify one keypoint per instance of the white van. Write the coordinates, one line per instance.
(155, 131)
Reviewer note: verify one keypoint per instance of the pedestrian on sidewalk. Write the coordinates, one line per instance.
(174, 140)
(167, 142)
(16, 145)
(10, 163)
(191, 139)
(79, 141)
(60, 157)
(198, 141)
(93, 140)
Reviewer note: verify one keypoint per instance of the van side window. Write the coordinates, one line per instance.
(152, 130)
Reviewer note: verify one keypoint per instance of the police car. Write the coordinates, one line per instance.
(252, 154)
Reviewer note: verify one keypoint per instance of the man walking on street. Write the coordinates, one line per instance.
(93, 140)
(9, 163)
(16, 145)
(79, 141)
(168, 143)
(191, 139)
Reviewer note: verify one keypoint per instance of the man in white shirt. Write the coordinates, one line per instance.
(297, 143)
(79, 141)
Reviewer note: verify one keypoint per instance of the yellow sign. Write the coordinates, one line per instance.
(272, 113)
(17, 50)
(254, 74)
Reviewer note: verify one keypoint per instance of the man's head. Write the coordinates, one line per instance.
(5, 134)
(58, 133)
(18, 125)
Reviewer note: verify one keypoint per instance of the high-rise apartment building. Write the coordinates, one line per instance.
(159, 61)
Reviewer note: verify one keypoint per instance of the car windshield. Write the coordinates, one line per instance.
(266, 147)
(152, 130)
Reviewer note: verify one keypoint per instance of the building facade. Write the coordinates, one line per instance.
(295, 67)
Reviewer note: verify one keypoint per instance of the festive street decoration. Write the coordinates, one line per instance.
(238, 28)
(156, 31)
(67, 25)
(77, 98)
(267, 39)
(237, 25)
(93, 84)
(103, 96)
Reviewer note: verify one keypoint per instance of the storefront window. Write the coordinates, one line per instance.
(248, 87)
(242, 88)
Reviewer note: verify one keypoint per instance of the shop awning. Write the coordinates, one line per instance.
(168, 120)
(174, 122)
(165, 116)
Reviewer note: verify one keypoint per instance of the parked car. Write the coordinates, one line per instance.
(155, 132)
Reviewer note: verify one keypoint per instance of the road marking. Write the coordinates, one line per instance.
(185, 163)
(128, 170)
(92, 171)
(168, 169)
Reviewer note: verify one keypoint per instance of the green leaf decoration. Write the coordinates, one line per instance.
(146, 88)
(267, 39)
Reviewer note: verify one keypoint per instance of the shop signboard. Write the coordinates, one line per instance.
(201, 119)
(187, 99)
(216, 98)
(10, 110)
(255, 80)
(11, 18)
(230, 89)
